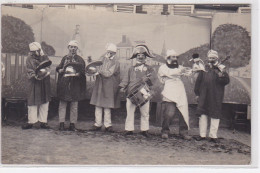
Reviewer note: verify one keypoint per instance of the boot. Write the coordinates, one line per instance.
(44, 126)
(109, 129)
(72, 127)
(95, 128)
(62, 126)
(145, 134)
(27, 126)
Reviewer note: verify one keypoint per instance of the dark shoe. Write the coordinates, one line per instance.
(61, 127)
(72, 127)
(186, 137)
(109, 129)
(27, 126)
(145, 134)
(127, 133)
(199, 138)
(165, 136)
(214, 140)
(95, 128)
(44, 126)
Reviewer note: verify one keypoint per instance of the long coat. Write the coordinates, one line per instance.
(105, 93)
(210, 89)
(71, 88)
(38, 90)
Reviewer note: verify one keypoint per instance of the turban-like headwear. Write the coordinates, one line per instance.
(212, 53)
(73, 43)
(111, 47)
(34, 46)
(170, 52)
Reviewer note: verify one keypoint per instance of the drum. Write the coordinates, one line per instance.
(140, 94)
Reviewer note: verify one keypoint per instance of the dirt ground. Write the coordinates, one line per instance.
(38, 146)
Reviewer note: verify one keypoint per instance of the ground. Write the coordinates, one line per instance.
(39, 146)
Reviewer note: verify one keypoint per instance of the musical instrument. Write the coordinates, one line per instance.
(220, 65)
(91, 68)
(141, 92)
(41, 71)
(71, 69)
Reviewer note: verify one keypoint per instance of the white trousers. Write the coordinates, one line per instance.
(130, 109)
(107, 117)
(203, 123)
(33, 113)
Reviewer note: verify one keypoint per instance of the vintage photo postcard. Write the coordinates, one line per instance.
(126, 84)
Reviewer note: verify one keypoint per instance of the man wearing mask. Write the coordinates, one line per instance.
(38, 88)
(136, 74)
(105, 94)
(209, 90)
(174, 95)
(71, 86)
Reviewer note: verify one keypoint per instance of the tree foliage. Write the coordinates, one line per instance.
(16, 35)
(227, 39)
(233, 40)
(48, 49)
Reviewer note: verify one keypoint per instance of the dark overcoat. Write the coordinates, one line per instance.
(210, 89)
(105, 92)
(71, 88)
(38, 91)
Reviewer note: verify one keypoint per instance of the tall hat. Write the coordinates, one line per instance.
(170, 52)
(141, 49)
(111, 47)
(73, 43)
(34, 46)
(212, 53)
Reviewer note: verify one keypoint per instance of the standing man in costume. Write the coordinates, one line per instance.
(174, 95)
(39, 88)
(137, 74)
(105, 94)
(71, 86)
(209, 90)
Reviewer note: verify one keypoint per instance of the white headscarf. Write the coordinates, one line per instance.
(212, 53)
(111, 47)
(34, 46)
(170, 52)
(73, 43)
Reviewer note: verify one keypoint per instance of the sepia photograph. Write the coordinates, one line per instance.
(126, 84)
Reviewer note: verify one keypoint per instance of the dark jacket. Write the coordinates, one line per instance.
(38, 90)
(105, 92)
(210, 89)
(71, 88)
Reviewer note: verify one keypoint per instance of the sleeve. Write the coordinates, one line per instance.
(160, 75)
(124, 83)
(30, 70)
(224, 80)
(82, 66)
(198, 83)
(61, 65)
(110, 71)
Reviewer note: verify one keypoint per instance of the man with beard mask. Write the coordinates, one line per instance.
(134, 75)
(105, 93)
(174, 95)
(38, 89)
(70, 87)
(209, 90)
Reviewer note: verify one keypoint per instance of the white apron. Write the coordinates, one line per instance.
(174, 89)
